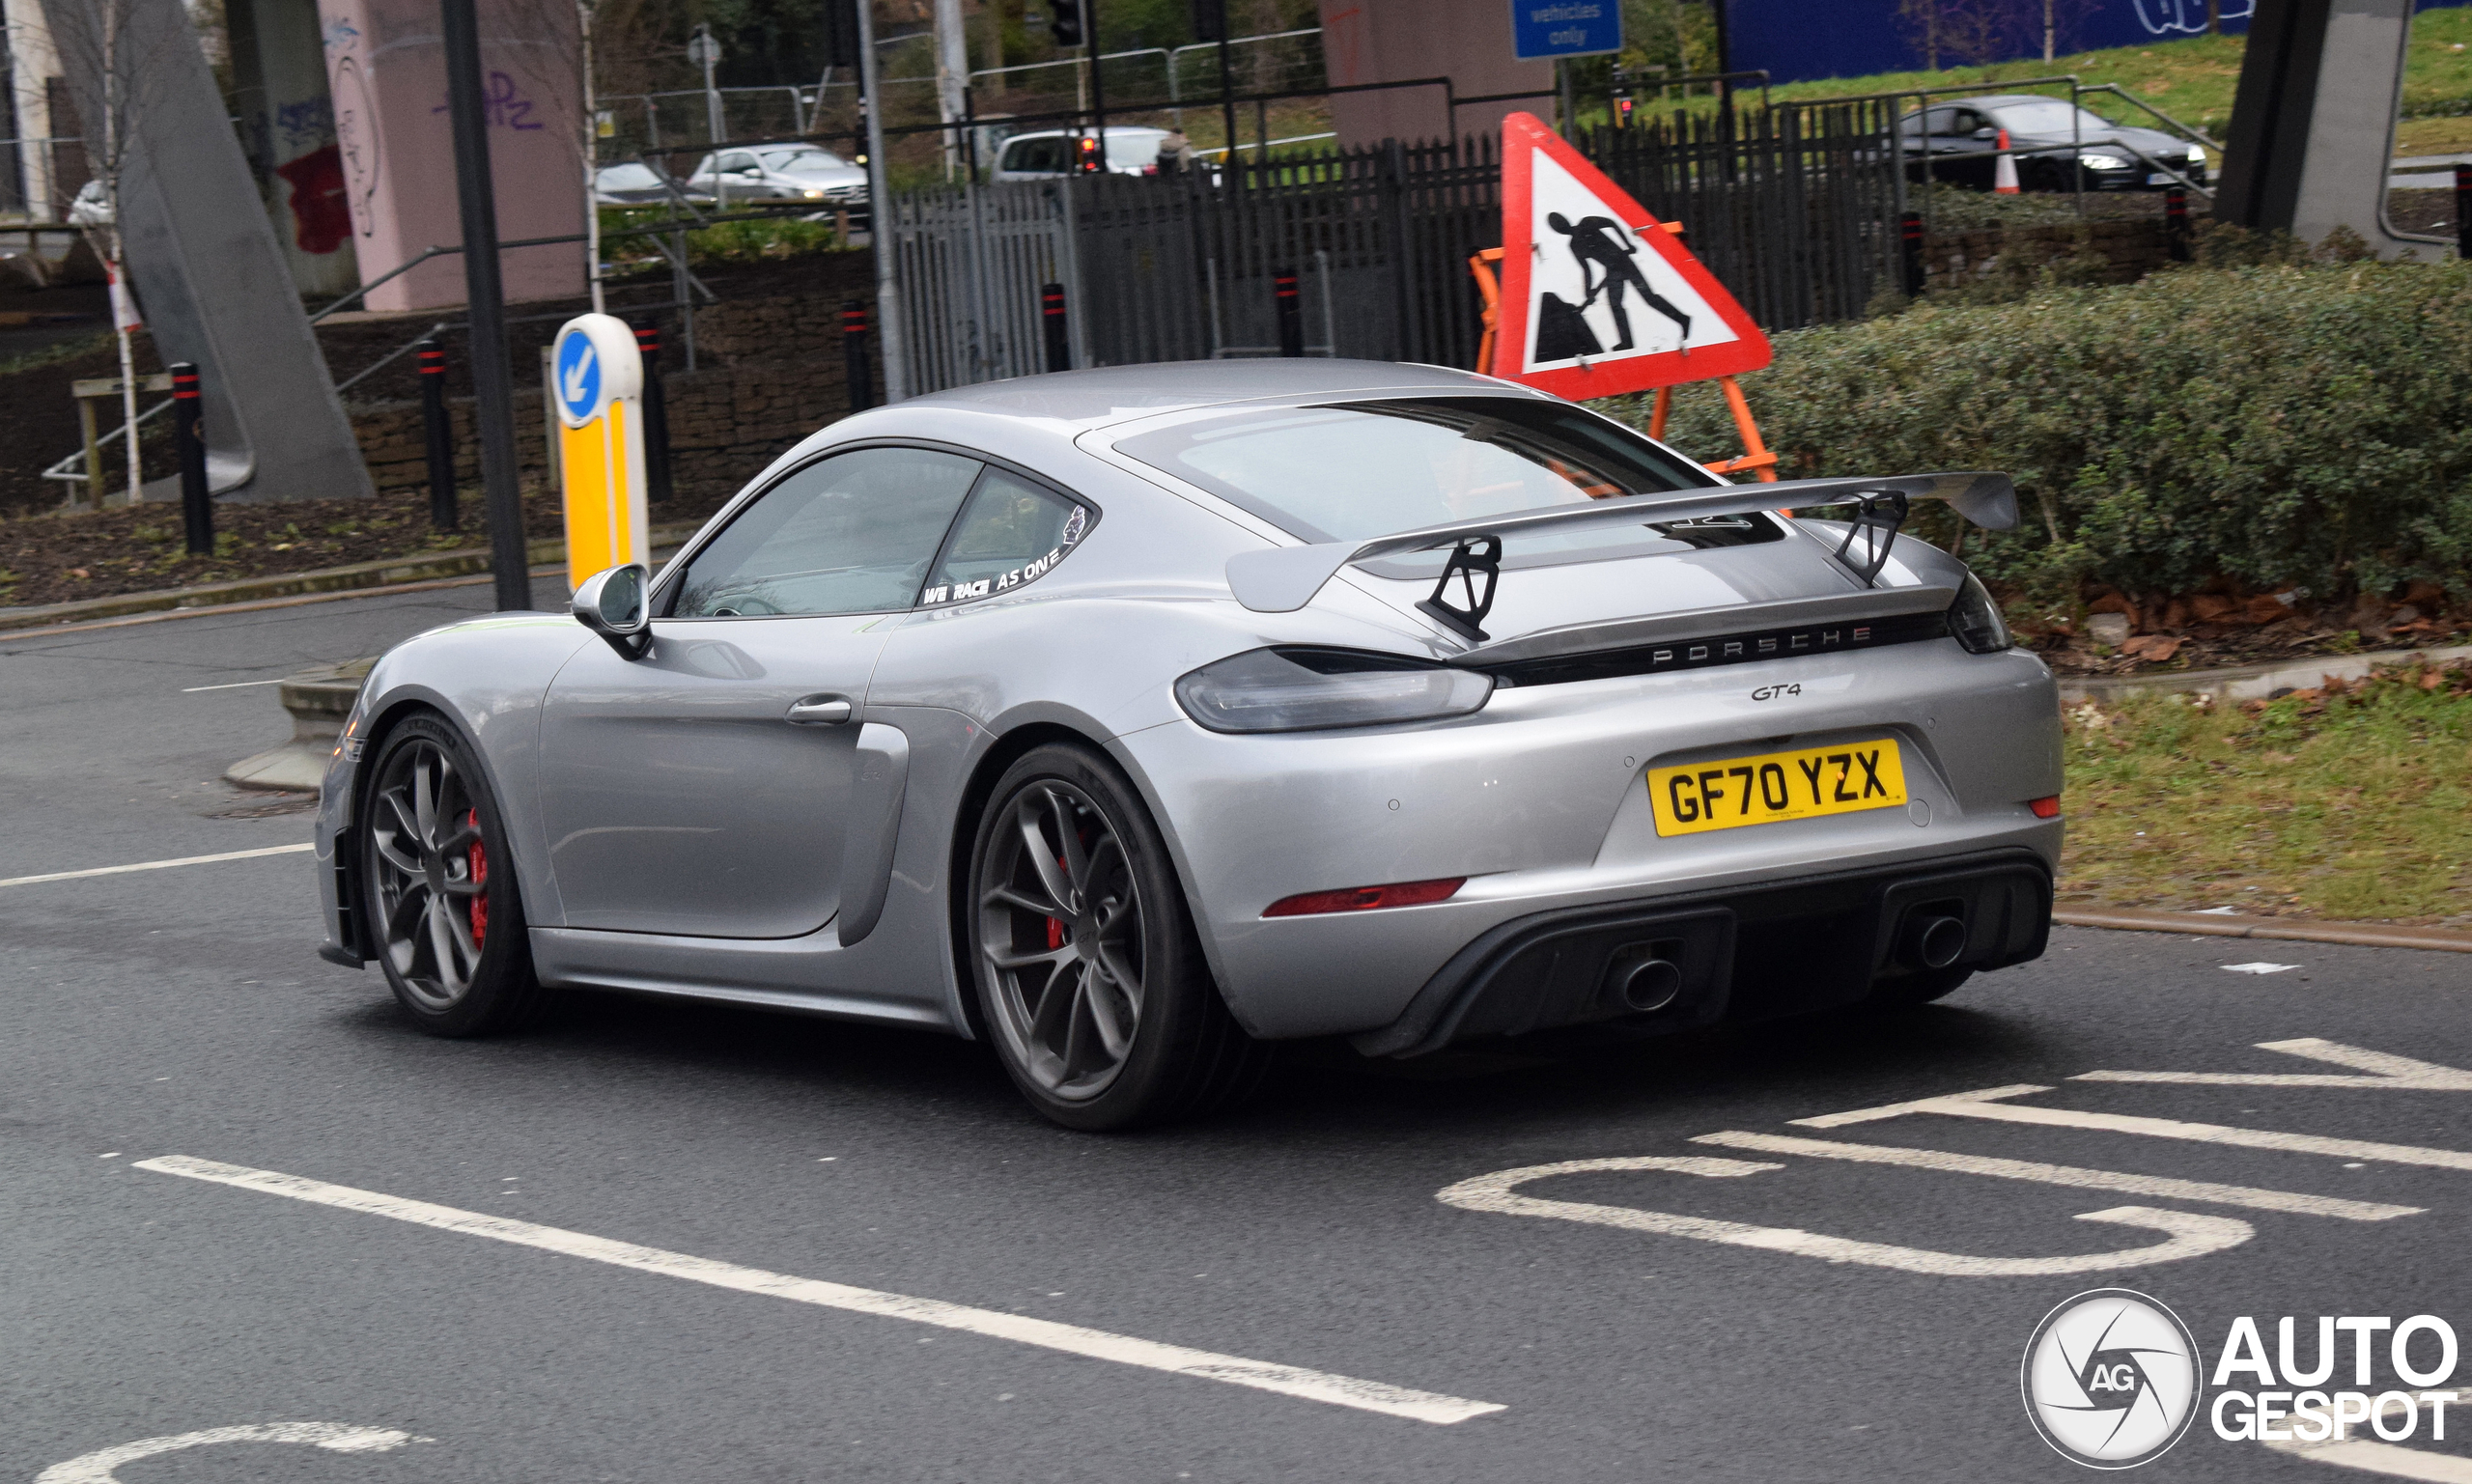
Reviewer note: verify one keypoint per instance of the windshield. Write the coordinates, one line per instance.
(2051, 118)
(1357, 471)
(629, 178)
(807, 162)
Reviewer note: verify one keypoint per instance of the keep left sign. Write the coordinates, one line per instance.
(1597, 298)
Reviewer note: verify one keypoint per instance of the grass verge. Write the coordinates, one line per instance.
(2345, 802)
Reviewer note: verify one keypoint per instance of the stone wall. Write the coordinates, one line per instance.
(2114, 251)
(769, 371)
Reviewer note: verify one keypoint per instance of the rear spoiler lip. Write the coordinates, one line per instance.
(1281, 580)
(1707, 622)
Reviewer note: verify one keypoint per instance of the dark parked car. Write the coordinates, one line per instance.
(2051, 140)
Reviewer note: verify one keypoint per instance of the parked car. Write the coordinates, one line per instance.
(1132, 150)
(634, 183)
(2051, 141)
(1135, 719)
(780, 172)
(91, 206)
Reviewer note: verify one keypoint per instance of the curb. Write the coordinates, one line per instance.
(2294, 930)
(2249, 681)
(356, 577)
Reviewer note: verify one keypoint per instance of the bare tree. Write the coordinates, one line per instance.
(120, 56)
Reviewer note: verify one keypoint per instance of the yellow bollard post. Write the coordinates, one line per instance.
(598, 381)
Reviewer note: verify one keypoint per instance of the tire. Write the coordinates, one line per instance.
(447, 930)
(1090, 977)
(1920, 987)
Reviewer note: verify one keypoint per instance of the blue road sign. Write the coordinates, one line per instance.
(1564, 28)
(578, 374)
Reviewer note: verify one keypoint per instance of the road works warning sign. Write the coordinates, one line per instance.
(1596, 298)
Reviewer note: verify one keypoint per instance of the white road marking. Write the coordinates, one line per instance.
(1984, 1104)
(334, 1436)
(2383, 1070)
(159, 865)
(2386, 1458)
(237, 685)
(2258, 969)
(2186, 1235)
(1072, 1339)
(2155, 1186)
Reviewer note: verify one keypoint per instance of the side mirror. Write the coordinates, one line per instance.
(1986, 133)
(612, 603)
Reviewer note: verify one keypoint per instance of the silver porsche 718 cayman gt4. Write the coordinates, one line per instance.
(1136, 719)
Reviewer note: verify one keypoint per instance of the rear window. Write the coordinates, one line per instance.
(1352, 471)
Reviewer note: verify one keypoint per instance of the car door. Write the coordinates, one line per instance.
(707, 788)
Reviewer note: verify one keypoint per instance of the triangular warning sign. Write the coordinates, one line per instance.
(1596, 298)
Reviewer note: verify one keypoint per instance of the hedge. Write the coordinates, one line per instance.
(2287, 424)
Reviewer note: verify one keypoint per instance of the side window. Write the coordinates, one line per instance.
(1012, 532)
(850, 534)
(1944, 120)
(1017, 154)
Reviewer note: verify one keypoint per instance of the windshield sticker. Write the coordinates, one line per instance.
(1004, 582)
(1074, 525)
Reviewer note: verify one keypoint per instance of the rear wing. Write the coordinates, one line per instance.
(1284, 578)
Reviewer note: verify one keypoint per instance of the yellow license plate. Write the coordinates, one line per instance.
(1731, 792)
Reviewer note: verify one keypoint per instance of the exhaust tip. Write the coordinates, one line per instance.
(1651, 986)
(1935, 943)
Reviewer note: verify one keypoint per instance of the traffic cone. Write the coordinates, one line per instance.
(2003, 175)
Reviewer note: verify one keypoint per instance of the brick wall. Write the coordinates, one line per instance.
(769, 371)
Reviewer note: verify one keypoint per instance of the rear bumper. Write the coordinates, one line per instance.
(1781, 948)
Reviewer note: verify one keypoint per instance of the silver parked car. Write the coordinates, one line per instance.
(1136, 719)
(780, 172)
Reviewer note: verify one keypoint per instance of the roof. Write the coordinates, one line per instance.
(1116, 393)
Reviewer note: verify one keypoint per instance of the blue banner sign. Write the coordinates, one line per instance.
(1564, 28)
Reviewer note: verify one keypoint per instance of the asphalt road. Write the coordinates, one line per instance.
(181, 1012)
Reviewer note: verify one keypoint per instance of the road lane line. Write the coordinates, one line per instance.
(2187, 1234)
(2382, 1068)
(334, 1436)
(159, 865)
(2156, 1185)
(237, 685)
(1072, 1339)
(1981, 1104)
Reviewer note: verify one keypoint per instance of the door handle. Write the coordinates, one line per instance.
(820, 711)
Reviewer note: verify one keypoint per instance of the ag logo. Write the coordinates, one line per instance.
(2111, 1379)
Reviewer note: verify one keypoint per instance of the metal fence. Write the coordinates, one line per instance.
(1794, 209)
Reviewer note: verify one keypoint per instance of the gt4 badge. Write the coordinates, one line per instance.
(1772, 692)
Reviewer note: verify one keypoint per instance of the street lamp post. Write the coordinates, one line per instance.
(493, 383)
(706, 53)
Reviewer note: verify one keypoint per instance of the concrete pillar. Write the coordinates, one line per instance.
(287, 132)
(2313, 121)
(209, 274)
(31, 61)
(387, 71)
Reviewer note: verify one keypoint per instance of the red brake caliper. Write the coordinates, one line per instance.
(1055, 925)
(480, 859)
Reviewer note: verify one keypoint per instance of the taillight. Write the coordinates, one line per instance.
(1364, 898)
(2045, 808)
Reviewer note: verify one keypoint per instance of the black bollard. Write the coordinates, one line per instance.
(439, 434)
(854, 347)
(1291, 315)
(2175, 224)
(1059, 340)
(1910, 246)
(656, 416)
(197, 511)
(2463, 212)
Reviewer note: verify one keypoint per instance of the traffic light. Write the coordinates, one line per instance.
(1064, 21)
(1085, 157)
(1621, 98)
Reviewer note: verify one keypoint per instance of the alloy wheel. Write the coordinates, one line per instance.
(431, 870)
(1060, 936)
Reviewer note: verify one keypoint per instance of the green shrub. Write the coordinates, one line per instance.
(2280, 424)
(751, 240)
